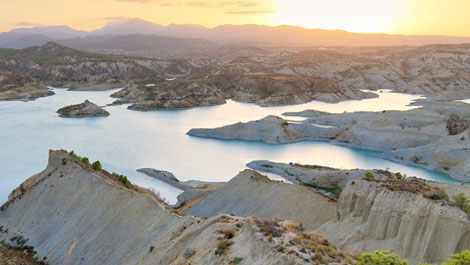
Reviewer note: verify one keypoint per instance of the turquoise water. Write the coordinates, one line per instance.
(128, 140)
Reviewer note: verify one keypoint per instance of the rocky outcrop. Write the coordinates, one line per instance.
(314, 174)
(164, 176)
(170, 95)
(264, 89)
(371, 217)
(72, 214)
(422, 137)
(271, 130)
(251, 193)
(17, 86)
(85, 109)
(170, 179)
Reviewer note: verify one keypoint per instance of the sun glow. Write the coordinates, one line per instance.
(355, 16)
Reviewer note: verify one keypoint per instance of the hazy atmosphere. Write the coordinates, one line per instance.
(420, 17)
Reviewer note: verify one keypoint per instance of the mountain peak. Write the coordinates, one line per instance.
(130, 26)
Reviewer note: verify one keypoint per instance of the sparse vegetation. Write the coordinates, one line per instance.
(310, 166)
(336, 191)
(179, 206)
(269, 228)
(235, 261)
(222, 247)
(123, 179)
(228, 233)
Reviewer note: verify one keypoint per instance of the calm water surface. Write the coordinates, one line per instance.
(128, 140)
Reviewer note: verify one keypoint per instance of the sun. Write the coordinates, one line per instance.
(365, 16)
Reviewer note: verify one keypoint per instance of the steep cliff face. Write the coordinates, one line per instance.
(72, 215)
(250, 193)
(372, 217)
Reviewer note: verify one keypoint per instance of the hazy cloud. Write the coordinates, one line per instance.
(210, 4)
(246, 12)
(116, 19)
(28, 24)
(138, 1)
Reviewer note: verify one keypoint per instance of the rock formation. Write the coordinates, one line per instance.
(424, 137)
(85, 109)
(371, 217)
(17, 86)
(70, 213)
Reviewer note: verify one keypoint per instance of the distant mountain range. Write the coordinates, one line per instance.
(137, 34)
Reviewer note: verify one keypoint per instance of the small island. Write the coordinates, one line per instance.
(85, 109)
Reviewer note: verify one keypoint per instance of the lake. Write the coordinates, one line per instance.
(128, 140)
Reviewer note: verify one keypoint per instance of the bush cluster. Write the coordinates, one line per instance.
(84, 159)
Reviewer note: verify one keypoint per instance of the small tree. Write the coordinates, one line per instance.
(96, 165)
(380, 258)
(85, 160)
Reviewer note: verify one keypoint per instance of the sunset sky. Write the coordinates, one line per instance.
(440, 17)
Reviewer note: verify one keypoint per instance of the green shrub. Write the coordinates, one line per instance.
(462, 258)
(285, 123)
(96, 165)
(380, 258)
(399, 175)
(369, 176)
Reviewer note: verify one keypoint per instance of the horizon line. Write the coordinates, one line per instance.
(248, 24)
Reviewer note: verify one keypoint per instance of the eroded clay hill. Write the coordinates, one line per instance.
(72, 214)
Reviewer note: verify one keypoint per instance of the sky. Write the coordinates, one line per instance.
(421, 17)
